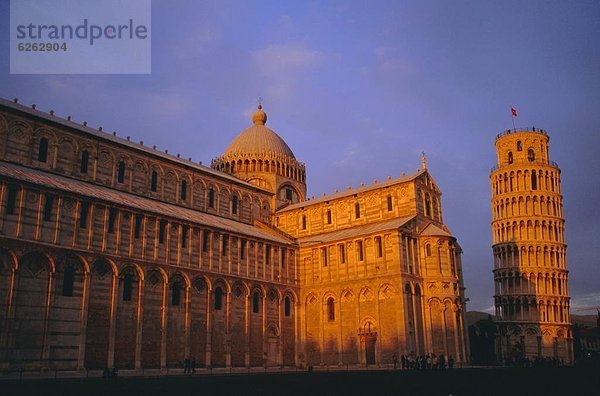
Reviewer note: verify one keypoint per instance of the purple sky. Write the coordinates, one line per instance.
(358, 88)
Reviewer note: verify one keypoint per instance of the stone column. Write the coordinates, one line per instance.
(113, 321)
(208, 324)
(138, 338)
(83, 320)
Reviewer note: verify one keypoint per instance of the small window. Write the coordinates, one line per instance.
(243, 244)
(176, 294)
(268, 254)
(530, 155)
(224, 244)
(428, 250)
(162, 229)
(218, 299)
(211, 198)
(11, 199)
(85, 158)
(379, 246)
(288, 194)
(112, 217)
(357, 210)
(127, 287)
(48, 203)
(183, 190)
(234, 205)
(330, 309)
(83, 214)
(138, 226)
(205, 241)
(154, 181)
(324, 256)
(283, 257)
(519, 146)
(427, 207)
(68, 281)
(389, 203)
(342, 254)
(304, 222)
(510, 157)
(533, 181)
(184, 236)
(43, 150)
(359, 247)
(287, 306)
(328, 216)
(256, 302)
(121, 172)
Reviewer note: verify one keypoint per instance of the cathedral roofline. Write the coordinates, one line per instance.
(351, 232)
(120, 198)
(349, 192)
(112, 138)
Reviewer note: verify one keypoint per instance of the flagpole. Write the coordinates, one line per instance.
(513, 118)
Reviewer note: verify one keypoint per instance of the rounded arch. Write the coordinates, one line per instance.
(201, 283)
(180, 276)
(32, 254)
(221, 282)
(125, 268)
(241, 284)
(74, 255)
(7, 255)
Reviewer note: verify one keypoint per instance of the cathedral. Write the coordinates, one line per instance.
(116, 254)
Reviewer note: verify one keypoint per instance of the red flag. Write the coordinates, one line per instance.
(514, 112)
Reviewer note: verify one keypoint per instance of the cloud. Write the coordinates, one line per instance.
(390, 61)
(585, 303)
(282, 66)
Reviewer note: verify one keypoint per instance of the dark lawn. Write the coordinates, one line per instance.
(509, 381)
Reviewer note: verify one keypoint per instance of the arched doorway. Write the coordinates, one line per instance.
(368, 340)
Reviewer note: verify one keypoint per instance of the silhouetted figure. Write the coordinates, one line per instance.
(193, 365)
(395, 360)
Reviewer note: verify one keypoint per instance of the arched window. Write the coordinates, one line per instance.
(530, 155)
(304, 222)
(519, 146)
(43, 150)
(389, 203)
(85, 158)
(357, 210)
(287, 306)
(330, 309)
(256, 302)
(533, 181)
(428, 250)
(176, 294)
(154, 181)
(211, 198)
(427, 206)
(127, 287)
(328, 216)
(121, 172)
(183, 190)
(68, 281)
(218, 299)
(510, 157)
(234, 205)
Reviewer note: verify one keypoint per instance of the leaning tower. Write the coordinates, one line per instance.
(530, 267)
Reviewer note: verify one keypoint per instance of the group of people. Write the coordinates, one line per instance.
(539, 361)
(431, 361)
(189, 365)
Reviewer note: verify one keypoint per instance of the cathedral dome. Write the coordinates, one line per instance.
(258, 140)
